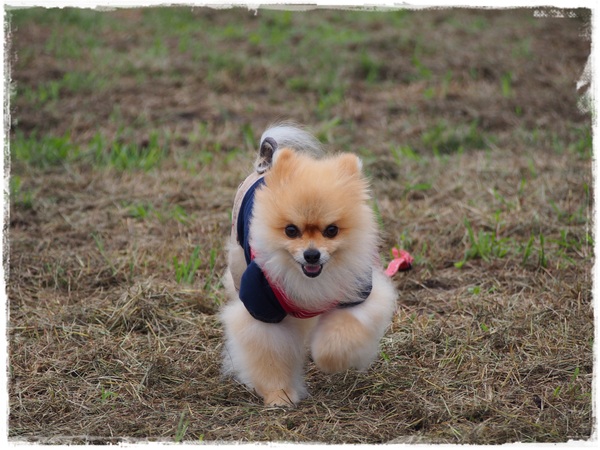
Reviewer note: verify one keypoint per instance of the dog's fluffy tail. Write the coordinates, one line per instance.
(285, 135)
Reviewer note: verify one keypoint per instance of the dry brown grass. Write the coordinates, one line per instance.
(105, 346)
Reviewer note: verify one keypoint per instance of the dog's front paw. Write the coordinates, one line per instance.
(342, 342)
(330, 359)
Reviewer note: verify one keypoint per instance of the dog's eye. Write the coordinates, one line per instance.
(292, 231)
(331, 231)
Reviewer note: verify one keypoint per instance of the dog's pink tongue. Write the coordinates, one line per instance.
(312, 268)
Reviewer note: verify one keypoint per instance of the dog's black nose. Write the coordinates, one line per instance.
(312, 255)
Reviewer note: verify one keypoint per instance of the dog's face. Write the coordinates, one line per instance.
(311, 245)
(312, 215)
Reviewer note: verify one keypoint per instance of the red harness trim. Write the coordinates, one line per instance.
(290, 308)
(288, 305)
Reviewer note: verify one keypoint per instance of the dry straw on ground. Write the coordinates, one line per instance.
(480, 160)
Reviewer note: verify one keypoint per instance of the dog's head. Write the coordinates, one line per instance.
(312, 219)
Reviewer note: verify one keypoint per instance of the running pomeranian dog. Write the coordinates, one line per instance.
(304, 272)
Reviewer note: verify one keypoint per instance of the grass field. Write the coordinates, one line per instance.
(130, 131)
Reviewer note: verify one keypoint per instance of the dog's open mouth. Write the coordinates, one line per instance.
(312, 270)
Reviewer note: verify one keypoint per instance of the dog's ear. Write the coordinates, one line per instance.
(282, 167)
(350, 164)
(283, 164)
(283, 157)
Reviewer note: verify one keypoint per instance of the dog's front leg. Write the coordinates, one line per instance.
(268, 357)
(349, 338)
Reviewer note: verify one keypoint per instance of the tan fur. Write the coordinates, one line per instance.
(332, 350)
(349, 337)
(311, 194)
